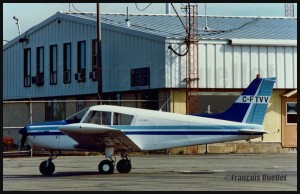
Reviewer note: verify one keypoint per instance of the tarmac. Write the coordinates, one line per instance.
(203, 172)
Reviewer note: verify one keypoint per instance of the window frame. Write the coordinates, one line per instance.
(27, 67)
(40, 66)
(94, 54)
(286, 113)
(140, 78)
(67, 62)
(53, 64)
(81, 53)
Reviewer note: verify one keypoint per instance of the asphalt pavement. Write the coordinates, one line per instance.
(204, 172)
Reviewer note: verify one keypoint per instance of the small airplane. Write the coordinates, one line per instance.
(108, 129)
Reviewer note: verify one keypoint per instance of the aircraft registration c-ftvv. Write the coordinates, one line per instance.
(109, 129)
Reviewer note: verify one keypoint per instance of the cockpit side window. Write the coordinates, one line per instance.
(98, 117)
(122, 119)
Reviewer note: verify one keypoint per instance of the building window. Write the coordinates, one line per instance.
(67, 63)
(291, 113)
(39, 79)
(53, 64)
(140, 78)
(55, 110)
(94, 54)
(27, 67)
(81, 61)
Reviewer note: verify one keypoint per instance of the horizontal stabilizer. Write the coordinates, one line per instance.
(252, 131)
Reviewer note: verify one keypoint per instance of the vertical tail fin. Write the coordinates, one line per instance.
(251, 105)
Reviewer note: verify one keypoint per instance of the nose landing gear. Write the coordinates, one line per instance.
(47, 167)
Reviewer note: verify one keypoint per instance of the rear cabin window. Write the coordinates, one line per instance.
(122, 119)
(98, 117)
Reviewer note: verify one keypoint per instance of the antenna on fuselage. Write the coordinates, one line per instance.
(100, 99)
(164, 104)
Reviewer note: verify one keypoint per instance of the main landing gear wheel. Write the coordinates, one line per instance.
(47, 168)
(106, 167)
(124, 166)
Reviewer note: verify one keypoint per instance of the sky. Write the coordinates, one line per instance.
(31, 14)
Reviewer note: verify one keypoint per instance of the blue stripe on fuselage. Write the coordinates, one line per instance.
(45, 133)
(158, 130)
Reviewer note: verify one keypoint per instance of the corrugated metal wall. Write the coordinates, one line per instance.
(226, 66)
(120, 51)
(52, 33)
(123, 52)
(220, 65)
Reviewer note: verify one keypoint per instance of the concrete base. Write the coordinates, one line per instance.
(241, 148)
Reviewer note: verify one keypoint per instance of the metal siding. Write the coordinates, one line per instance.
(219, 55)
(170, 70)
(35, 37)
(289, 67)
(263, 61)
(254, 65)
(220, 66)
(202, 65)
(246, 79)
(280, 67)
(210, 66)
(127, 52)
(271, 62)
(295, 67)
(175, 67)
(228, 67)
(237, 69)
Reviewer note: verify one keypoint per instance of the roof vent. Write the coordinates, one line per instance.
(127, 19)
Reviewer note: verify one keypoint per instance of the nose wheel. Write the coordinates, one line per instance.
(47, 167)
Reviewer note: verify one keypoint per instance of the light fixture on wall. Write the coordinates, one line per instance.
(18, 24)
(23, 40)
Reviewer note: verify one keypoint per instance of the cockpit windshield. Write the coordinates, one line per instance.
(75, 118)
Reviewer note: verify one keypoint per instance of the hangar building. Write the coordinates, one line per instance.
(56, 59)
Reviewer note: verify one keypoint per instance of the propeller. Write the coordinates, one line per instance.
(24, 134)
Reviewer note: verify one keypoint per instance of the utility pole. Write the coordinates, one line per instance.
(99, 57)
(192, 77)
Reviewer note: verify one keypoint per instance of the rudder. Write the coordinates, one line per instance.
(251, 105)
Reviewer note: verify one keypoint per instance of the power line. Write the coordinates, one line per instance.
(142, 9)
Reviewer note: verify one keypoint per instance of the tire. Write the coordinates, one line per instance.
(47, 170)
(124, 166)
(106, 167)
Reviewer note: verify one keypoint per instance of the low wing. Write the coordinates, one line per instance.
(95, 137)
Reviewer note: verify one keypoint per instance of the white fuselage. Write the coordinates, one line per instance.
(151, 130)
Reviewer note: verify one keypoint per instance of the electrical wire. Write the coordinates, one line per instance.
(76, 9)
(231, 30)
(142, 9)
(187, 38)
